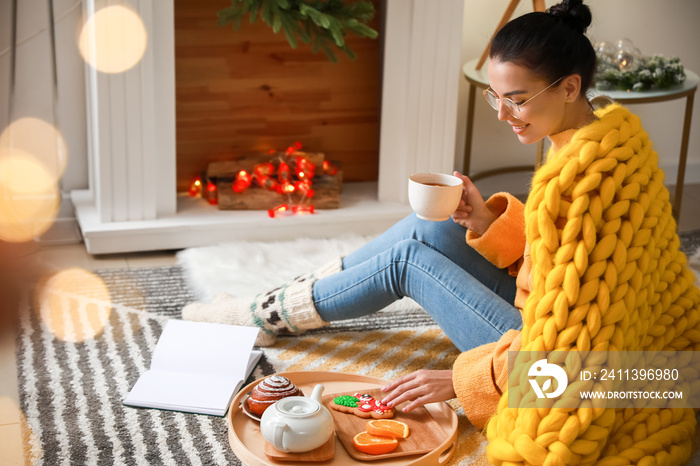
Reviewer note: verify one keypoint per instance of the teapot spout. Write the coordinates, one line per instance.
(316, 394)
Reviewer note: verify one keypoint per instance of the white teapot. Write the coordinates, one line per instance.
(297, 424)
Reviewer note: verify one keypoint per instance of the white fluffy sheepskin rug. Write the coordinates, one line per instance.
(249, 267)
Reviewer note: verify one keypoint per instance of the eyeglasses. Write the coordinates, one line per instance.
(514, 109)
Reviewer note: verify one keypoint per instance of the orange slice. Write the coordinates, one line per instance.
(387, 428)
(374, 445)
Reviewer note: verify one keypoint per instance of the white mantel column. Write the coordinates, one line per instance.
(422, 69)
(131, 124)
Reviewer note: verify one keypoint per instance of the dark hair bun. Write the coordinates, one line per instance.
(574, 13)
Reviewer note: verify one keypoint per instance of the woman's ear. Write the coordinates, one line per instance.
(572, 87)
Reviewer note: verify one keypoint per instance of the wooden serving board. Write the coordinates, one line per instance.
(425, 434)
(323, 453)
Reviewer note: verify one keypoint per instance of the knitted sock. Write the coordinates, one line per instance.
(288, 309)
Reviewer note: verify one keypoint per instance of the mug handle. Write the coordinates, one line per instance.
(278, 429)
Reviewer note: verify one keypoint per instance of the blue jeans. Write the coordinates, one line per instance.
(430, 262)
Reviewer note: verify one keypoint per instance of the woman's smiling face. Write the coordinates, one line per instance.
(540, 117)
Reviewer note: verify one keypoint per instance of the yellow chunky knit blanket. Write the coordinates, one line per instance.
(607, 276)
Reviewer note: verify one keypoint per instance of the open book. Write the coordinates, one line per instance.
(197, 367)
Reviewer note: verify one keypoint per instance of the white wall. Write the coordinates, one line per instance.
(670, 28)
(33, 85)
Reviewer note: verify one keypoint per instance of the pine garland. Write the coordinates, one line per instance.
(655, 72)
(323, 23)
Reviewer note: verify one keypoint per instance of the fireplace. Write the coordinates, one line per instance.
(132, 204)
(248, 93)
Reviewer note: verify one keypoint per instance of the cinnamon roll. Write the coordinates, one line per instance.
(269, 390)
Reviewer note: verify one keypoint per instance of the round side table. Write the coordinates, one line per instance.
(686, 89)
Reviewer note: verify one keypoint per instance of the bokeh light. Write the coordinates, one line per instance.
(29, 196)
(74, 304)
(113, 40)
(39, 139)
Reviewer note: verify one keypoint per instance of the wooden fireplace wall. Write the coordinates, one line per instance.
(248, 92)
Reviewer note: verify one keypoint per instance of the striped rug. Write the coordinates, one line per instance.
(85, 338)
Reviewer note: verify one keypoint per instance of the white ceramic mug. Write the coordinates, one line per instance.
(434, 196)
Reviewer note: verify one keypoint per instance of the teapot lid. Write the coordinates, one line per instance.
(297, 406)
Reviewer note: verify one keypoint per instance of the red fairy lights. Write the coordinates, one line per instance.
(209, 193)
(263, 169)
(286, 174)
(243, 181)
(293, 148)
(304, 187)
(329, 168)
(212, 194)
(268, 183)
(285, 188)
(305, 169)
(196, 187)
(303, 209)
(282, 180)
(282, 210)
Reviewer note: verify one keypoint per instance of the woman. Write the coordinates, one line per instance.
(478, 290)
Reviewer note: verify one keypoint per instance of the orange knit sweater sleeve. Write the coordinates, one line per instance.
(503, 244)
(480, 377)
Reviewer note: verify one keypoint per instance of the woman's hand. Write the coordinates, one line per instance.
(472, 211)
(420, 388)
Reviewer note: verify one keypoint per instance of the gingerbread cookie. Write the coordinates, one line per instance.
(363, 406)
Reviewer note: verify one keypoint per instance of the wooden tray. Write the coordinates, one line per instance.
(425, 434)
(249, 445)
